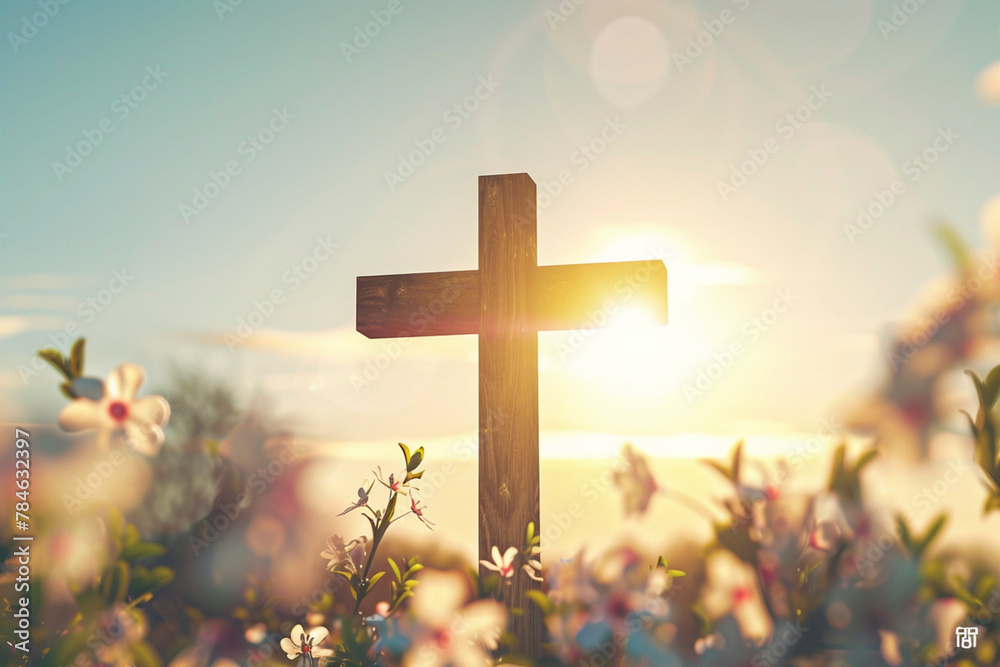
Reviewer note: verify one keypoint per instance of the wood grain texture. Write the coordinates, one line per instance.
(508, 387)
(418, 304)
(507, 301)
(570, 296)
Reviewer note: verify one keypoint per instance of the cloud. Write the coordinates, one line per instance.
(12, 325)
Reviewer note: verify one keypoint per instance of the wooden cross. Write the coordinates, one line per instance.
(506, 302)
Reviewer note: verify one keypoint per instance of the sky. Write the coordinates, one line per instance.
(198, 185)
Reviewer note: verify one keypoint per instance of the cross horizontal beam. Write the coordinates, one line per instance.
(570, 296)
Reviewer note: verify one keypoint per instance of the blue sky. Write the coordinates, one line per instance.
(325, 117)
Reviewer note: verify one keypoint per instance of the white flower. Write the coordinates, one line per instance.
(305, 643)
(946, 614)
(397, 482)
(731, 588)
(533, 568)
(502, 564)
(449, 633)
(343, 556)
(118, 411)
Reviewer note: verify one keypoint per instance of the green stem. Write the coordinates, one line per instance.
(381, 526)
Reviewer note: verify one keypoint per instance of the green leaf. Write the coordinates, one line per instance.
(721, 468)
(992, 385)
(406, 454)
(76, 355)
(904, 532)
(416, 567)
(954, 245)
(146, 581)
(932, 532)
(676, 573)
(115, 523)
(374, 579)
(543, 602)
(865, 459)
(837, 469)
(415, 460)
(115, 583)
(737, 459)
(140, 550)
(55, 358)
(131, 535)
(143, 655)
(395, 570)
(65, 388)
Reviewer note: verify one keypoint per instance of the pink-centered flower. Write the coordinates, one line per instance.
(120, 411)
(419, 511)
(305, 643)
(362, 499)
(503, 564)
(447, 631)
(396, 482)
(731, 589)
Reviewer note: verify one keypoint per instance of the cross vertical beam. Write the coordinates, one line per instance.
(508, 385)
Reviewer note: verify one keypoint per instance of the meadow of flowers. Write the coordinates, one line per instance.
(811, 578)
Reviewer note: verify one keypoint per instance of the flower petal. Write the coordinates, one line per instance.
(124, 381)
(154, 409)
(317, 634)
(144, 438)
(289, 647)
(509, 555)
(81, 414)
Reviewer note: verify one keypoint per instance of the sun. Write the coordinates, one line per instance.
(626, 356)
